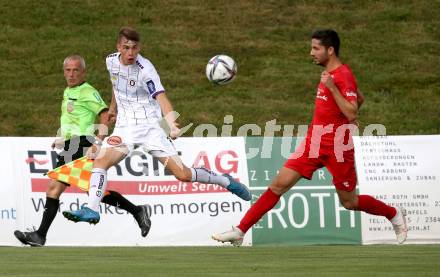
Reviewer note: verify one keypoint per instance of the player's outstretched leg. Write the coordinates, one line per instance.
(85, 214)
(265, 203)
(98, 185)
(396, 215)
(205, 176)
(285, 179)
(143, 219)
(30, 238)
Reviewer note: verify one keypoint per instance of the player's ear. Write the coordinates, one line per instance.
(330, 50)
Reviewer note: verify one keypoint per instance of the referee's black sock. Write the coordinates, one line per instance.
(50, 211)
(114, 198)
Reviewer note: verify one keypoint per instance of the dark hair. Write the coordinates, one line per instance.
(129, 33)
(328, 38)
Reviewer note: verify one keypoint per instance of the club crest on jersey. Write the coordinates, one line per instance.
(151, 87)
(351, 93)
(132, 82)
(70, 106)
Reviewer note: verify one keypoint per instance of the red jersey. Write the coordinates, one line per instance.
(326, 110)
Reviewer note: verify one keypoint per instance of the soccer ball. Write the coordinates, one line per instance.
(221, 69)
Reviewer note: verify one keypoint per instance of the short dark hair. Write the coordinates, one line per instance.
(129, 33)
(328, 38)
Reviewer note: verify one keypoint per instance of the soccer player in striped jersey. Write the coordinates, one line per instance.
(139, 102)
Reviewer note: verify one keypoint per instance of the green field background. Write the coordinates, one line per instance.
(392, 47)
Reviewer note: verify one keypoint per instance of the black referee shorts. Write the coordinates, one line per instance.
(74, 148)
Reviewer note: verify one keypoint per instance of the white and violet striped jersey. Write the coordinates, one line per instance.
(136, 87)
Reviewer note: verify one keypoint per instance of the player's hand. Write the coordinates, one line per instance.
(93, 151)
(58, 143)
(327, 80)
(174, 130)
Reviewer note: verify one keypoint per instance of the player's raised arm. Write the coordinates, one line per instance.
(168, 113)
(349, 109)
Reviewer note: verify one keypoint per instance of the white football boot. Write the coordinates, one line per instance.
(399, 225)
(234, 236)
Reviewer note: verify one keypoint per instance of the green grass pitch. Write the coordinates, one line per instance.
(384, 260)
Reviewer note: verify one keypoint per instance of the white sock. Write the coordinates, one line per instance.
(98, 185)
(397, 219)
(202, 175)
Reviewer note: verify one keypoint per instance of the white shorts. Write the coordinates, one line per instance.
(151, 137)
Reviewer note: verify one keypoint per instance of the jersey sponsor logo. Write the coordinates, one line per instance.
(114, 140)
(70, 106)
(318, 94)
(151, 87)
(132, 82)
(351, 93)
(139, 64)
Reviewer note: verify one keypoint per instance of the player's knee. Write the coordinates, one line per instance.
(102, 163)
(183, 175)
(279, 188)
(55, 189)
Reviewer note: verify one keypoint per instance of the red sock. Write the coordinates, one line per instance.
(371, 205)
(265, 203)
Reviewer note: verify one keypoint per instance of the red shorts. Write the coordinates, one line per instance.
(305, 162)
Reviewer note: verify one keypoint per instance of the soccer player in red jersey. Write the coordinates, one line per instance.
(328, 143)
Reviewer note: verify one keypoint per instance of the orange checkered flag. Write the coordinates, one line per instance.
(76, 173)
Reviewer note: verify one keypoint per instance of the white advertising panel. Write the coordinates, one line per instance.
(9, 192)
(402, 171)
(399, 170)
(183, 213)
